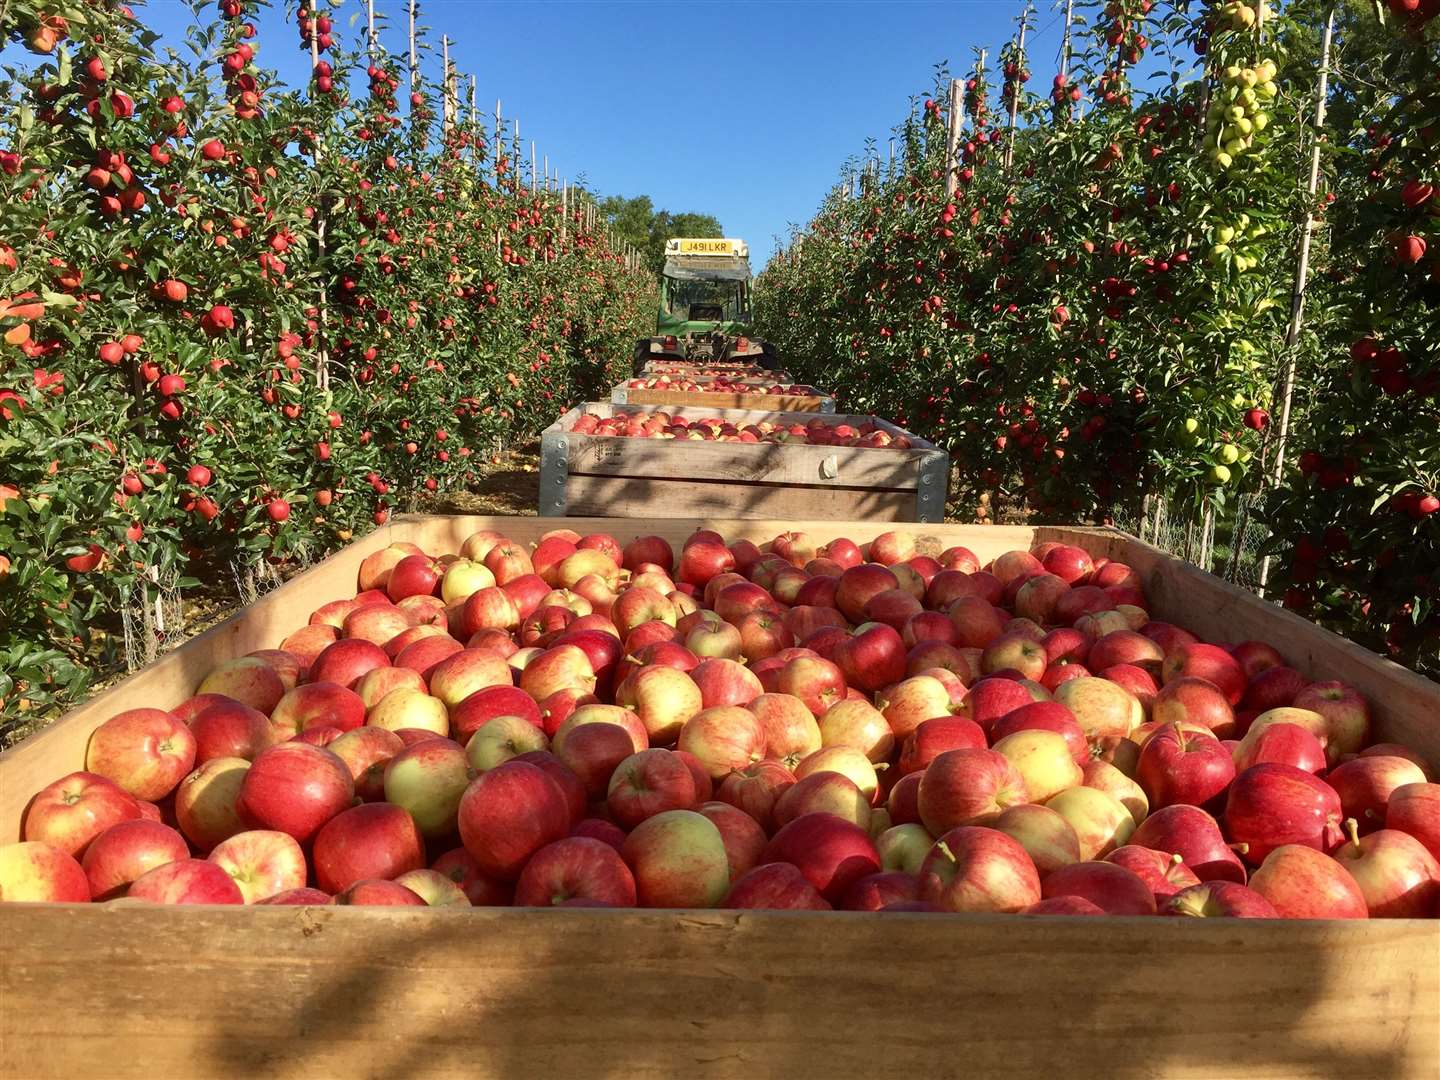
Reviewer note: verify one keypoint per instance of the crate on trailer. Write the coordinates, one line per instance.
(814, 401)
(597, 475)
(90, 990)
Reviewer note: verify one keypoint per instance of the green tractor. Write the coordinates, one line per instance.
(704, 306)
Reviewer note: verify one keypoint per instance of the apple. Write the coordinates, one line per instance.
(376, 569)
(702, 560)
(186, 881)
(373, 840)
(1194, 701)
(725, 682)
(756, 788)
(1180, 766)
(233, 729)
(72, 811)
(246, 679)
(458, 865)
(375, 684)
(509, 813)
(970, 786)
(575, 867)
(1346, 715)
(317, 704)
(823, 792)
(1107, 777)
(294, 788)
(936, 736)
(1272, 805)
(427, 779)
(893, 607)
(1064, 905)
(562, 667)
(1209, 662)
(1272, 688)
(1045, 716)
(678, 857)
(1287, 744)
(345, 662)
(1126, 647)
(1114, 888)
(858, 584)
(991, 699)
(716, 639)
(464, 578)
(407, 709)
(978, 869)
(648, 549)
(876, 892)
(484, 705)
(1081, 604)
(1396, 750)
(775, 886)
(873, 657)
(1015, 652)
(723, 738)
(977, 622)
(1365, 785)
(434, 888)
(892, 547)
(379, 624)
(1398, 877)
(145, 751)
(35, 872)
(501, 738)
(1101, 708)
(1163, 873)
(423, 611)
(425, 654)
(1101, 821)
(648, 783)
(205, 802)
(118, 856)
(816, 682)
(1195, 836)
(366, 752)
(298, 897)
(741, 834)
(376, 892)
(832, 853)
(857, 723)
(1044, 760)
(788, 726)
(1303, 883)
(1415, 809)
(904, 847)
(261, 862)
(1046, 836)
(1038, 597)
(1219, 899)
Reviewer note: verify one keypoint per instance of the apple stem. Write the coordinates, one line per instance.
(1240, 849)
(1352, 828)
(944, 849)
(1176, 859)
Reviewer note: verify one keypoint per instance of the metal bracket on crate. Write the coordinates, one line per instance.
(934, 487)
(620, 395)
(554, 469)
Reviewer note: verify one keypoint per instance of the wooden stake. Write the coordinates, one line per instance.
(322, 361)
(414, 55)
(370, 38)
(1018, 88)
(1302, 271)
(954, 126)
(532, 166)
(447, 117)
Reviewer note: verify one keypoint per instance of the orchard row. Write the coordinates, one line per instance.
(242, 321)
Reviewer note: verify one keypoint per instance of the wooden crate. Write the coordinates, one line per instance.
(704, 399)
(607, 476)
(143, 992)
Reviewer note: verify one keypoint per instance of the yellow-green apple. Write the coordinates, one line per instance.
(246, 679)
(561, 667)
(35, 872)
(186, 881)
(501, 738)
(936, 736)
(1165, 874)
(649, 783)
(435, 888)
(755, 789)
(1125, 647)
(1192, 834)
(663, 697)
(1415, 809)
(857, 723)
(427, 779)
(1104, 776)
(788, 725)
(1365, 785)
(966, 787)
(904, 847)
(873, 657)
(378, 624)
(1045, 716)
(1115, 889)
(1135, 616)
(1043, 759)
(678, 858)
(375, 684)
(725, 682)
(1179, 765)
(366, 751)
(295, 788)
(716, 639)
(741, 834)
(1219, 899)
(125, 852)
(376, 892)
(205, 801)
(1101, 708)
(1302, 883)
(233, 729)
(1047, 837)
(910, 703)
(375, 570)
(990, 699)
(978, 869)
(345, 662)
(585, 562)
(1273, 805)
(575, 868)
(262, 862)
(405, 708)
(1398, 877)
(463, 579)
(70, 812)
(845, 760)
(816, 682)
(1347, 717)
(775, 886)
(1101, 822)
(723, 738)
(823, 792)
(911, 580)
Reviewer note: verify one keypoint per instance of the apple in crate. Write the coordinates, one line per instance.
(35, 872)
(262, 862)
(127, 851)
(146, 751)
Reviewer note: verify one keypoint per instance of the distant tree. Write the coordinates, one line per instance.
(637, 221)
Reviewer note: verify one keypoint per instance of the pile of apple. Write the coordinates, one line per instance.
(777, 726)
(663, 425)
(721, 386)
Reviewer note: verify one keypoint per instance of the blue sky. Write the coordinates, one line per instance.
(746, 110)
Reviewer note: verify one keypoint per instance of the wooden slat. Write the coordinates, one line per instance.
(151, 992)
(660, 496)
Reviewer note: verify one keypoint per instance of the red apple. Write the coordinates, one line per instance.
(1415, 809)
(374, 892)
(509, 813)
(756, 788)
(874, 657)
(1398, 877)
(261, 862)
(832, 853)
(234, 729)
(346, 661)
(1180, 766)
(648, 783)
(725, 682)
(1163, 874)
(295, 789)
(1365, 785)
(858, 584)
(1273, 688)
(1219, 899)
(1273, 805)
(1347, 716)
(72, 811)
(775, 886)
(146, 751)
(1287, 744)
(1113, 888)
(186, 881)
(1192, 834)
(1302, 883)
(121, 854)
(964, 787)
(1209, 662)
(575, 867)
(977, 869)
(723, 738)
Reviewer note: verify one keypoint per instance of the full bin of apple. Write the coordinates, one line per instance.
(866, 727)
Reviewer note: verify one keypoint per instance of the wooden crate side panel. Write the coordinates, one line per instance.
(325, 992)
(659, 497)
